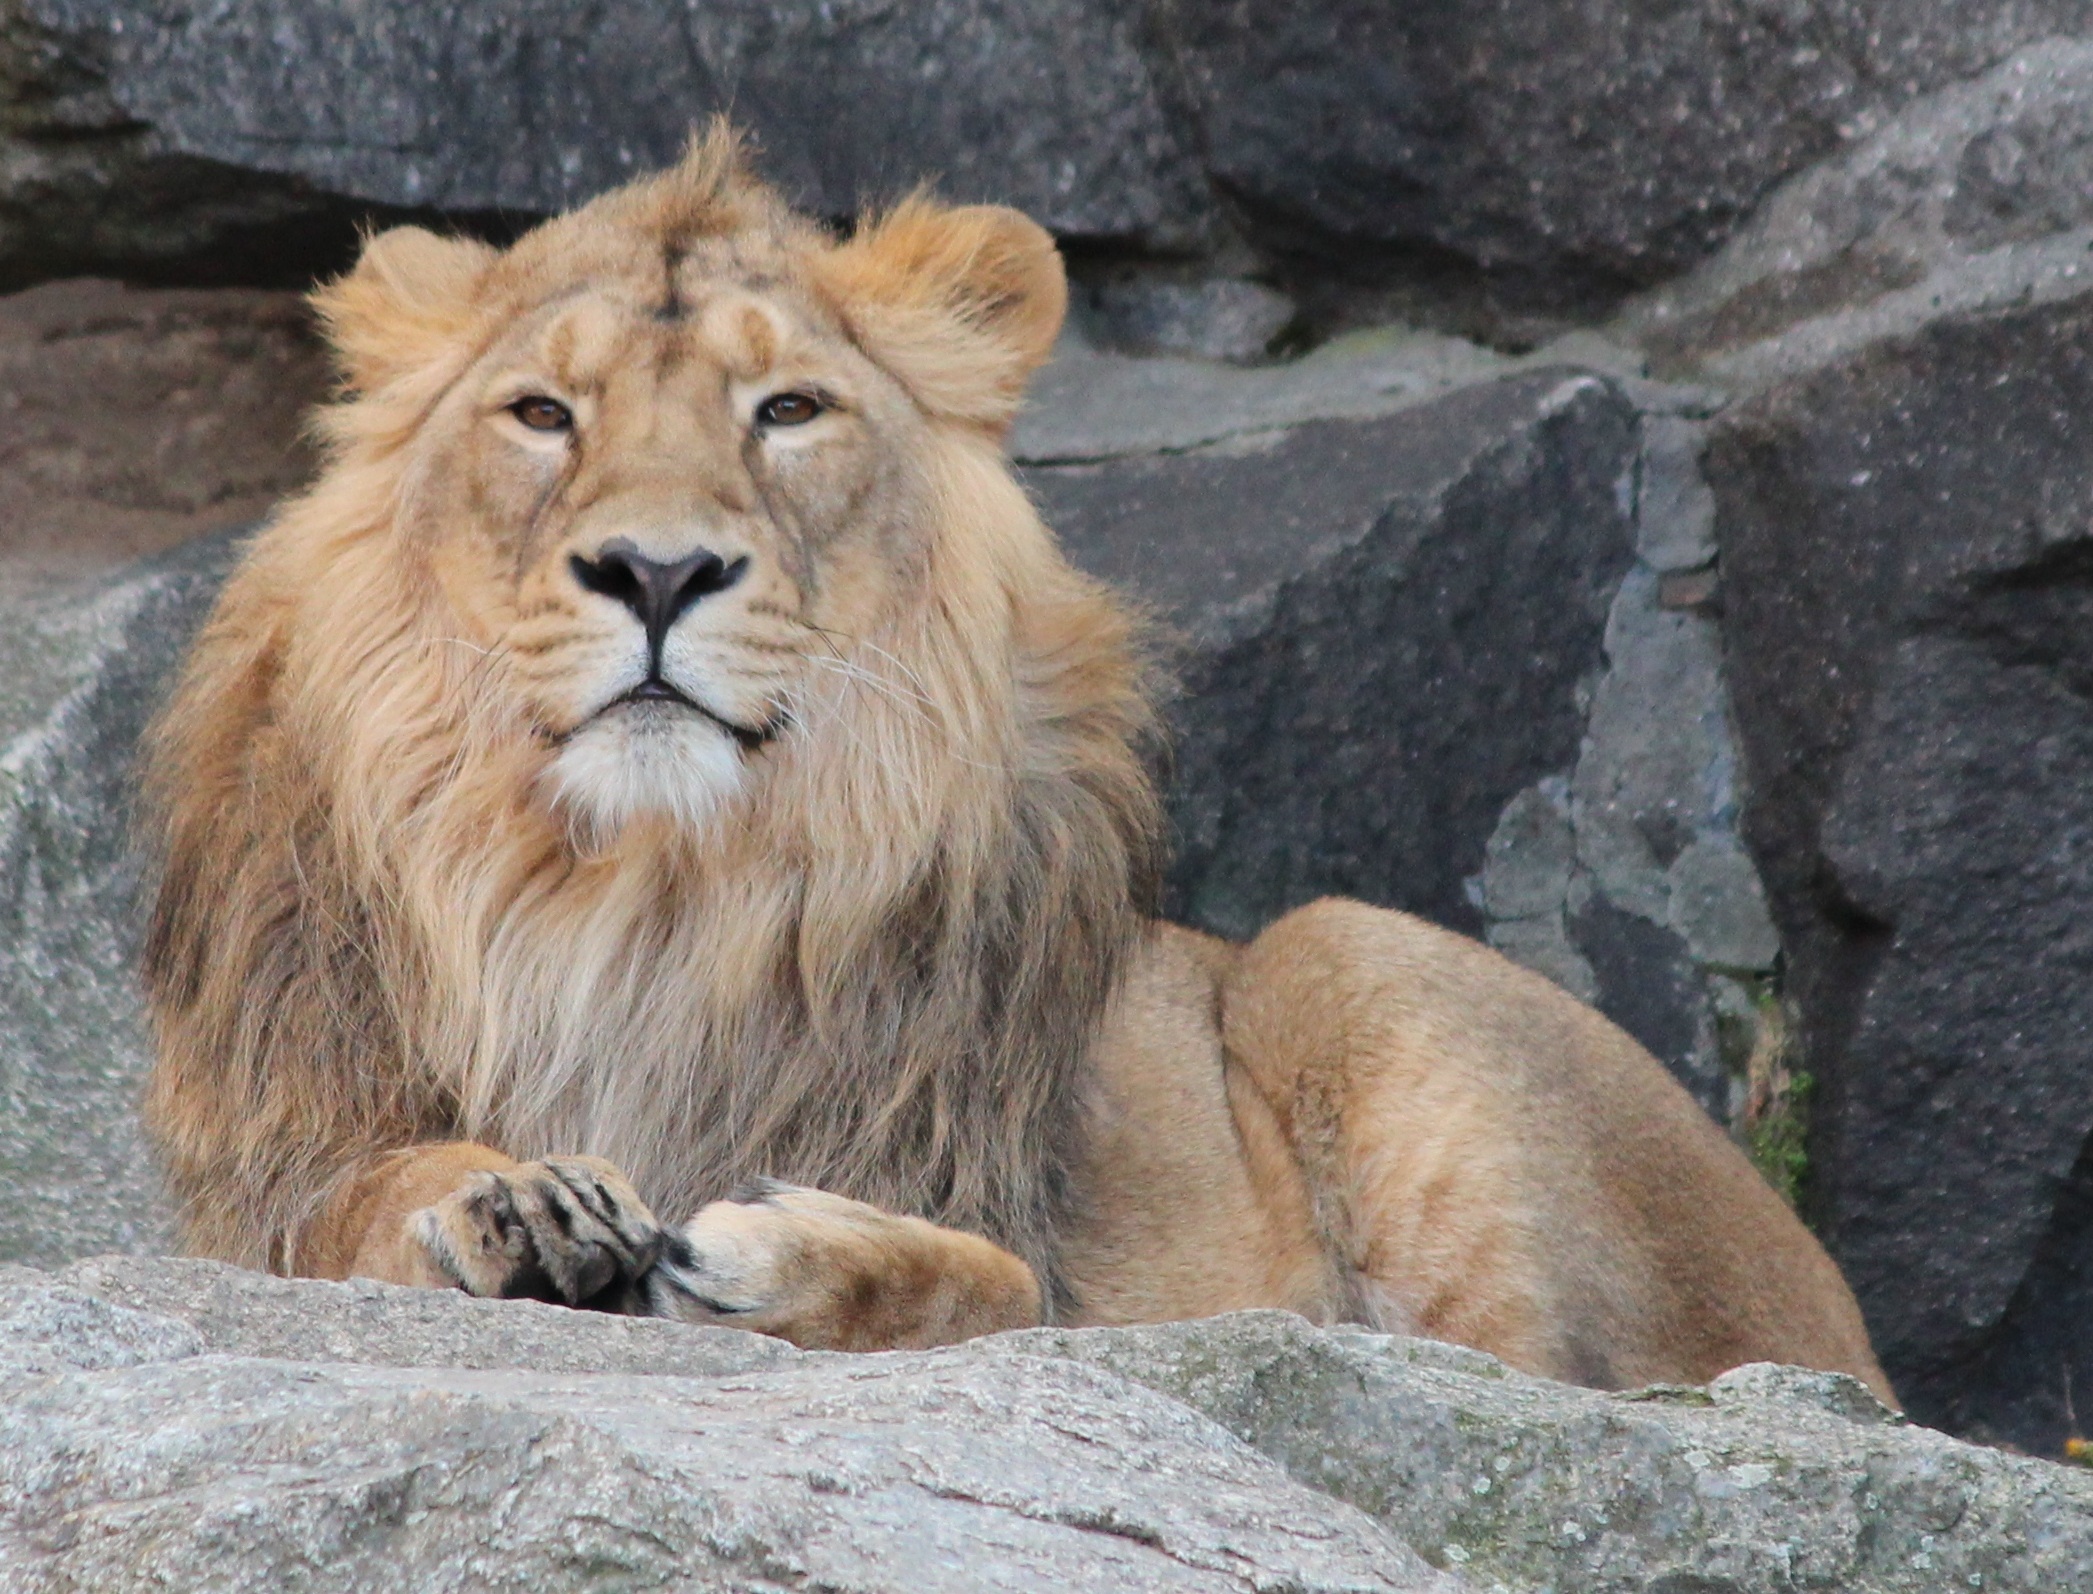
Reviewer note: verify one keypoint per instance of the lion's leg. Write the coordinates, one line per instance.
(832, 1274)
(462, 1216)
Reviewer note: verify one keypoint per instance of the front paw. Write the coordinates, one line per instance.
(569, 1230)
(829, 1273)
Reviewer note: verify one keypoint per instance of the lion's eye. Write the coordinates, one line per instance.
(542, 414)
(788, 409)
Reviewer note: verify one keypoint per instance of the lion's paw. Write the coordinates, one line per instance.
(828, 1273)
(569, 1230)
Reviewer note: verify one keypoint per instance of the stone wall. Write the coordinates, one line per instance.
(1614, 474)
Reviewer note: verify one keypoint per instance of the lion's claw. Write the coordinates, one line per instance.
(569, 1230)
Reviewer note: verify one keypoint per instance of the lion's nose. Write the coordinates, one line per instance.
(657, 592)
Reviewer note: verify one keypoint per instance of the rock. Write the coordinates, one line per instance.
(1973, 197)
(1044, 1459)
(240, 1313)
(1093, 405)
(1217, 319)
(79, 677)
(1417, 666)
(137, 419)
(939, 1471)
(316, 112)
(1770, 1480)
(1385, 624)
(1570, 151)
(1907, 568)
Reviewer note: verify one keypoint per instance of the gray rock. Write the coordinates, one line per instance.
(114, 157)
(1571, 150)
(939, 1471)
(1215, 319)
(163, 1435)
(1658, 906)
(234, 1312)
(1093, 405)
(1384, 627)
(82, 675)
(1771, 1480)
(1908, 579)
(1675, 512)
(46, 1329)
(1973, 197)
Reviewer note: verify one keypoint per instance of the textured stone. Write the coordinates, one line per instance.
(1385, 623)
(1971, 198)
(1219, 319)
(161, 1432)
(1573, 150)
(115, 157)
(1659, 906)
(1769, 1481)
(146, 1465)
(79, 676)
(1908, 578)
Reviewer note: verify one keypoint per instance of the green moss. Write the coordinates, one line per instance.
(1773, 1126)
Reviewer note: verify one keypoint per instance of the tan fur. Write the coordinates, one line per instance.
(464, 964)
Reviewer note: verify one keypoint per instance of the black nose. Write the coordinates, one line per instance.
(658, 593)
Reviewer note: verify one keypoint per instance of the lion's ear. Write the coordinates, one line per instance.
(962, 304)
(409, 296)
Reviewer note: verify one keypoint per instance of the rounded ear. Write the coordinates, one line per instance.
(961, 303)
(409, 295)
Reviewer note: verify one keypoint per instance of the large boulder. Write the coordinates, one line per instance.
(186, 1425)
(1973, 197)
(1385, 624)
(1572, 151)
(1907, 548)
(110, 156)
(946, 1471)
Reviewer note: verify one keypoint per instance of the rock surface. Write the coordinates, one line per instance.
(1572, 150)
(1457, 560)
(79, 676)
(1909, 576)
(363, 1426)
(946, 1470)
(1974, 197)
(315, 112)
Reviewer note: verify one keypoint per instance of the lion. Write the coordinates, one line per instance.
(665, 765)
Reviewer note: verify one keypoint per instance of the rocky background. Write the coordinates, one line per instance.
(1617, 473)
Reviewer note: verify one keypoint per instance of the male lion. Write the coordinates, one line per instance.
(664, 755)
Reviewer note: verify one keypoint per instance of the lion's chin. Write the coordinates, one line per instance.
(653, 763)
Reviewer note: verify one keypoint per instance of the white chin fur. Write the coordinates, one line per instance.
(647, 761)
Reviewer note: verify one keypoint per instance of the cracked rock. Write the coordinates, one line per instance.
(222, 1430)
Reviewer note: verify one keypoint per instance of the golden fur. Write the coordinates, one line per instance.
(466, 959)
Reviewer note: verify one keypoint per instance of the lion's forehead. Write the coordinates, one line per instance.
(738, 330)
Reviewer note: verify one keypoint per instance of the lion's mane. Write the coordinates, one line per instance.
(881, 980)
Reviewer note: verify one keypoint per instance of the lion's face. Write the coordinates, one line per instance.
(669, 482)
(671, 502)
